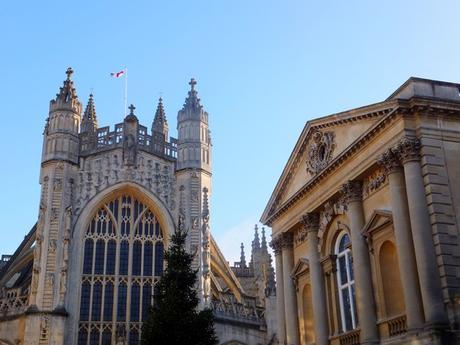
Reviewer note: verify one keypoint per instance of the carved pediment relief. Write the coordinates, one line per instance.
(320, 150)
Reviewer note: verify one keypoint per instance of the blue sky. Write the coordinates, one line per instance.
(263, 68)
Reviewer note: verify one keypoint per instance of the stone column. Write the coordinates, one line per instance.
(353, 192)
(281, 322)
(311, 223)
(290, 298)
(404, 245)
(428, 272)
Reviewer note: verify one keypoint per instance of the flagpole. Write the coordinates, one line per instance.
(126, 92)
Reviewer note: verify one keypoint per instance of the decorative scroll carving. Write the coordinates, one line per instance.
(352, 191)
(409, 149)
(320, 151)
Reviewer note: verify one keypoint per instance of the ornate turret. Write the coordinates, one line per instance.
(160, 123)
(194, 141)
(89, 120)
(61, 140)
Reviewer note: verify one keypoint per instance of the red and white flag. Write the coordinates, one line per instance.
(117, 74)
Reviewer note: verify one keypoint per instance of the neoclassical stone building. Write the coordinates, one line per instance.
(366, 223)
(86, 272)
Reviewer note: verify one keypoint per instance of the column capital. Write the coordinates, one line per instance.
(287, 240)
(408, 149)
(389, 161)
(352, 191)
(277, 245)
(310, 221)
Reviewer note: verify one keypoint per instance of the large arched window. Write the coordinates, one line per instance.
(346, 282)
(122, 262)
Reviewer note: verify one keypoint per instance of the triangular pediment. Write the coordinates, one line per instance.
(301, 267)
(378, 220)
(323, 141)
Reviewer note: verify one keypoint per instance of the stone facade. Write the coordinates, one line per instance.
(109, 201)
(365, 222)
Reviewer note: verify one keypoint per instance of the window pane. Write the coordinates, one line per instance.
(84, 302)
(108, 302)
(146, 300)
(124, 252)
(137, 255)
(94, 337)
(107, 337)
(82, 337)
(343, 270)
(347, 309)
(344, 242)
(354, 303)
(88, 256)
(99, 260)
(133, 337)
(111, 253)
(158, 259)
(148, 257)
(135, 302)
(121, 311)
(97, 300)
(350, 260)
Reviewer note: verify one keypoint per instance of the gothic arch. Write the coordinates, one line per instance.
(89, 210)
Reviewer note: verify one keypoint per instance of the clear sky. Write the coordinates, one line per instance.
(263, 69)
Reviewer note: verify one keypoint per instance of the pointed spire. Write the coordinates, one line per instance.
(264, 241)
(242, 256)
(160, 123)
(67, 92)
(256, 241)
(192, 102)
(89, 121)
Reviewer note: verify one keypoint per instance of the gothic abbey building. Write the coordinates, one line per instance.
(86, 272)
(366, 224)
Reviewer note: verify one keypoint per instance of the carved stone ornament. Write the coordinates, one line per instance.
(389, 161)
(276, 245)
(310, 222)
(352, 191)
(320, 151)
(373, 182)
(409, 149)
(287, 240)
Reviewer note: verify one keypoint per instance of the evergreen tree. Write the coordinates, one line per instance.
(174, 318)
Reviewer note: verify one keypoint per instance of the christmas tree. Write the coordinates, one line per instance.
(174, 318)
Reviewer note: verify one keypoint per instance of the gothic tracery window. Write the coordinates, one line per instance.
(122, 262)
(346, 282)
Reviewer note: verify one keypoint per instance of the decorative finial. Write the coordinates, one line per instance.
(131, 109)
(264, 240)
(242, 256)
(192, 84)
(69, 73)
(256, 241)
